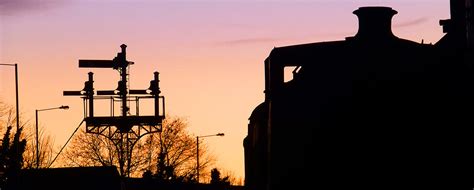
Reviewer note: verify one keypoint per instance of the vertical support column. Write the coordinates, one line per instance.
(89, 88)
(129, 146)
(197, 159)
(123, 73)
(156, 93)
(121, 155)
(37, 140)
(17, 148)
(16, 99)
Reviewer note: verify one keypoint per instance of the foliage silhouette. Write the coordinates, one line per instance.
(169, 155)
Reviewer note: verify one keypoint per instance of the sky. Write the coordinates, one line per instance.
(209, 54)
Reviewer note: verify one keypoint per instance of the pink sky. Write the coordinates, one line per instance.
(209, 53)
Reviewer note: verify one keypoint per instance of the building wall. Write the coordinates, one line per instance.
(372, 111)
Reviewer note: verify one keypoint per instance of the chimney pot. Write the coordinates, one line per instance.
(375, 22)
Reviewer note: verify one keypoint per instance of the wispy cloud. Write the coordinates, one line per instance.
(411, 22)
(292, 40)
(14, 7)
(246, 41)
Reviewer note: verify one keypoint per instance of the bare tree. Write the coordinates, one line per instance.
(170, 154)
(88, 149)
(173, 153)
(8, 118)
(46, 150)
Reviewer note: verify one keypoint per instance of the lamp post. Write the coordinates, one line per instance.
(197, 151)
(16, 100)
(16, 94)
(37, 140)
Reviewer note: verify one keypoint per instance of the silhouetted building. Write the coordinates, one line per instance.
(76, 178)
(255, 148)
(155, 184)
(373, 111)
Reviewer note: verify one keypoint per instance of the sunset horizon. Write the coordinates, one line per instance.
(209, 54)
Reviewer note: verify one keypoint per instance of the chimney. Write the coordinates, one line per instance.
(375, 22)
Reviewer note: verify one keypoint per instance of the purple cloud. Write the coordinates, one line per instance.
(13, 7)
(411, 22)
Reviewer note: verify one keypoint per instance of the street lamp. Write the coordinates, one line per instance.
(197, 151)
(37, 141)
(16, 94)
(16, 99)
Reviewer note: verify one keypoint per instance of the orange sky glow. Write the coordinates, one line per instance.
(209, 53)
